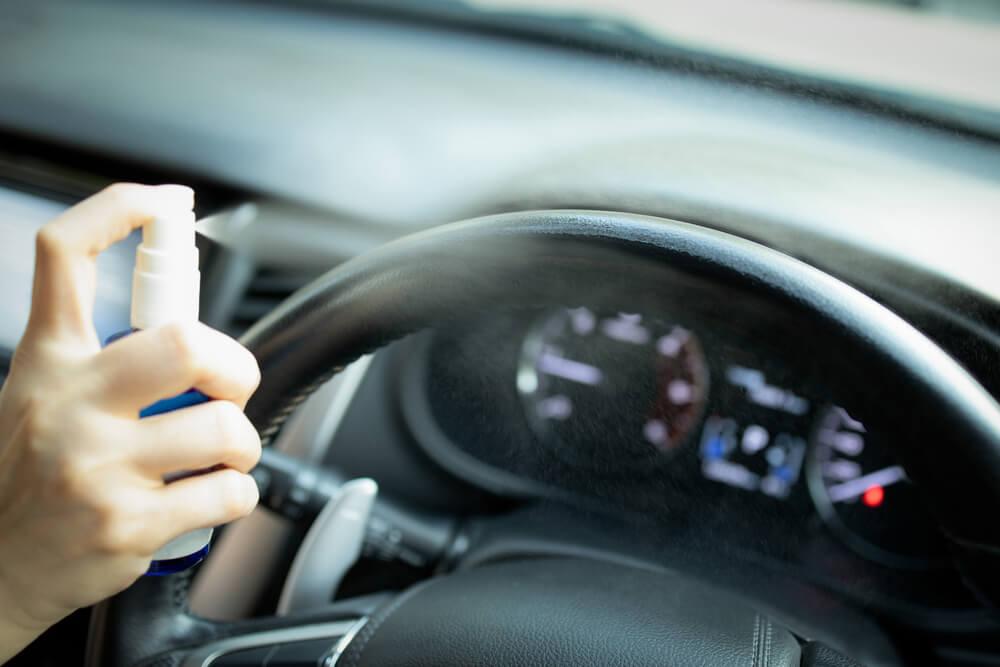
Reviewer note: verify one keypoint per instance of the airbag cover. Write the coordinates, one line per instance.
(568, 612)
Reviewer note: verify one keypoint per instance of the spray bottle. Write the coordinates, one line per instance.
(165, 289)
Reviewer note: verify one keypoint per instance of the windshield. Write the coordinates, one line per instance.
(938, 57)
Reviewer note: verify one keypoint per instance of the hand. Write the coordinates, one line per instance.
(83, 505)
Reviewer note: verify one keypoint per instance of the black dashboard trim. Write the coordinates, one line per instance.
(412, 397)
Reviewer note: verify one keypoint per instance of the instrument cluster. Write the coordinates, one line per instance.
(628, 389)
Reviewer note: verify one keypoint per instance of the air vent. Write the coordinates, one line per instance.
(267, 288)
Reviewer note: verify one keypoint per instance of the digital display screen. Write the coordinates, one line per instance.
(762, 449)
(21, 215)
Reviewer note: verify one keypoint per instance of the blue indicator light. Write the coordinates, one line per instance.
(783, 473)
(715, 448)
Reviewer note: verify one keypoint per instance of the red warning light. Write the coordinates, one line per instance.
(873, 496)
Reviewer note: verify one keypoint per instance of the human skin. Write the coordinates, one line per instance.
(83, 505)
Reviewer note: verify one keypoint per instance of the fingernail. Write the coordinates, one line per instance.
(251, 491)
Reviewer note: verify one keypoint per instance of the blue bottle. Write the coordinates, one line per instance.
(165, 289)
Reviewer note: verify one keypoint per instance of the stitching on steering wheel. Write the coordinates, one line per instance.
(356, 648)
(281, 416)
(770, 636)
(169, 660)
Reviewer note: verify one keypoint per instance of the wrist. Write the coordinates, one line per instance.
(17, 628)
(15, 635)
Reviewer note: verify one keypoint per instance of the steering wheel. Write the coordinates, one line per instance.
(555, 611)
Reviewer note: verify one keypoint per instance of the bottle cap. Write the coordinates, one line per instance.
(166, 281)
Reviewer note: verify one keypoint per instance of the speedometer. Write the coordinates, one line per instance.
(865, 496)
(603, 390)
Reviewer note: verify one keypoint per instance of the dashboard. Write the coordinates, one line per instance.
(706, 422)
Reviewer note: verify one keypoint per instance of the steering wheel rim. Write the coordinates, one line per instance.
(530, 258)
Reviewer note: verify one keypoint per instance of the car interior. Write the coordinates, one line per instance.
(591, 332)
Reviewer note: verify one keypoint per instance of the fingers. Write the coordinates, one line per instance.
(205, 501)
(65, 250)
(139, 521)
(158, 363)
(195, 438)
(95, 223)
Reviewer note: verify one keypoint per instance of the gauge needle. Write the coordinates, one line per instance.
(855, 487)
(574, 371)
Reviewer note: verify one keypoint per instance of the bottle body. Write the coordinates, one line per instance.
(190, 548)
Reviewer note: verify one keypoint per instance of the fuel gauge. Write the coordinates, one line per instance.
(864, 495)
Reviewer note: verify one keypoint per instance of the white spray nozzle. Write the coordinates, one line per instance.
(169, 233)
(165, 284)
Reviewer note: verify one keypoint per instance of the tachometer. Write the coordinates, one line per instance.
(603, 390)
(865, 496)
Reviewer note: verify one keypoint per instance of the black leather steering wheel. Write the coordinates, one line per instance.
(576, 611)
